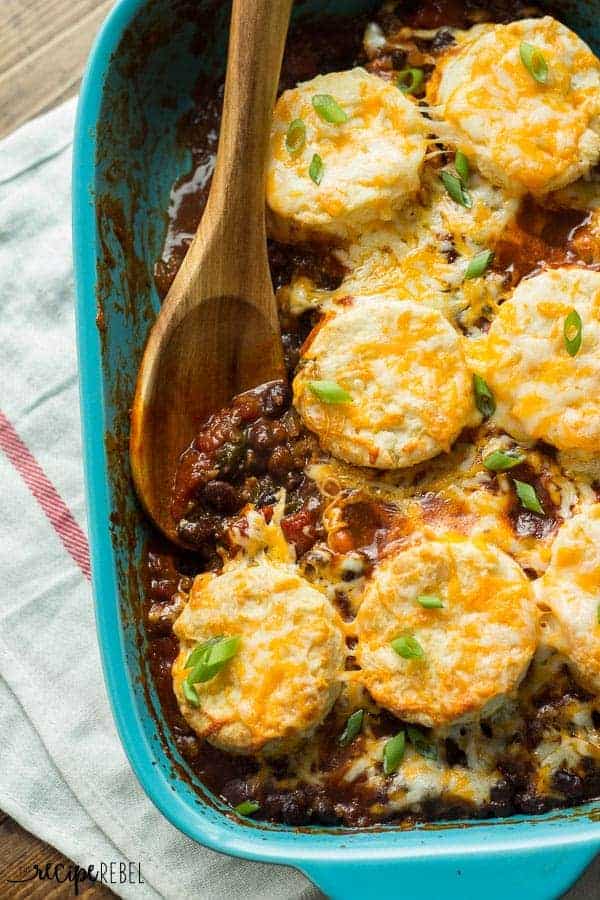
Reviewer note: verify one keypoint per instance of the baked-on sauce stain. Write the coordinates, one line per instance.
(258, 445)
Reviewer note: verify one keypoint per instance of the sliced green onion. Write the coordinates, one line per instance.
(479, 264)
(199, 652)
(528, 497)
(223, 650)
(295, 137)
(461, 164)
(216, 650)
(353, 727)
(502, 460)
(209, 658)
(246, 807)
(329, 109)
(573, 332)
(410, 80)
(598, 614)
(189, 692)
(430, 601)
(534, 62)
(420, 743)
(483, 397)
(407, 647)
(202, 673)
(393, 753)
(456, 189)
(329, 392)
(316, 170)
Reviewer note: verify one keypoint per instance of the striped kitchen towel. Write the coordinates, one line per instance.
(63, 774)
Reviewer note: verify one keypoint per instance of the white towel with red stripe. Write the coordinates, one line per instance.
(63, 774)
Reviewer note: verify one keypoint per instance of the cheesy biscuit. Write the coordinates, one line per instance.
(570, 588)
(530, 129)
(401, 367)
(370, 163)
(541, 390)
(447, 628)
(284, 676)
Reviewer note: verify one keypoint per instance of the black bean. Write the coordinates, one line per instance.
(276, 399)
(280, 461)
(248, 406)
(222, 497)
(532, 804)
(196, 533)
(444, 38)
(399, 59)
(568, 783)
(260, 435)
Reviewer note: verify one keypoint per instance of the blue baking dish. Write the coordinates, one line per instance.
(140, 80)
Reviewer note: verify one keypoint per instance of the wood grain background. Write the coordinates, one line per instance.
(43, 48)
(19, 852)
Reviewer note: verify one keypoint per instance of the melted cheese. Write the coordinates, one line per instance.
(284, 678)
(570, 588)
(403, 367)
(542, 392)
(522, 134)
(422, 254)
(403, 236)
(476, 648)
(371, 163)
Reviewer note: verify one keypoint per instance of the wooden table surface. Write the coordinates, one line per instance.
(43, 48)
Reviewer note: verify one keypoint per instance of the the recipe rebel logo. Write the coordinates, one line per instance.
(113, 873)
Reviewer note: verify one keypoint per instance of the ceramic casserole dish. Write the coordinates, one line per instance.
(140, 81)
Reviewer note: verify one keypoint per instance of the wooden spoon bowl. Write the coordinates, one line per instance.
(218, 331)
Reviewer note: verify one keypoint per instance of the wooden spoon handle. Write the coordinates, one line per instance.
(218, 330)
(256, 43)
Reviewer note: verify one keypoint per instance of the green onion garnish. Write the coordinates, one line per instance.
(483, 397)
(407, 647)
(456, 189)
(295, 137)
(329, 109)
(393, 753)
(189, 692)
(199, 652)
(573, 332)
(430, 601)
(528, 497)
(410, 80)
(316, 169)
(329, 392)
(420, 743)
(502, 460)
(461, 164)
(534, 62)
(479, 264)
(246, 807)
(598, 614)
(353, 727)
(207, 659)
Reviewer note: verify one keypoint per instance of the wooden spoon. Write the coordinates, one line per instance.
(217, 333)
